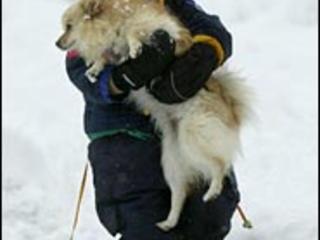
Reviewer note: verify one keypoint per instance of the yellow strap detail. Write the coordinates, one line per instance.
(213, 42)
(80, 197)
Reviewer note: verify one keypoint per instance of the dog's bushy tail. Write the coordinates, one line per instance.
(237, 93)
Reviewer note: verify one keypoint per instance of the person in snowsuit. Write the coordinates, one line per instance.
(131, 194)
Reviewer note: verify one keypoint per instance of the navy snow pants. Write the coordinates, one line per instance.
(132, 196)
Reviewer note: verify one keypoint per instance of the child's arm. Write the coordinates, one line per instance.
(204, 27)
(188, 74)
(97, 92)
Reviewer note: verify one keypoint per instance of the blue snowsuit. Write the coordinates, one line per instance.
(130, 191)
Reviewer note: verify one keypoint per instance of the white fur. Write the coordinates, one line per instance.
(200, 144)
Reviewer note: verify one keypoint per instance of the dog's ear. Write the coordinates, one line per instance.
(93, 7)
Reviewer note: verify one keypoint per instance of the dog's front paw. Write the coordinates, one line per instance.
(166, 225)
(93, 72)
(135, 48)
(92, 76)
(183, 42)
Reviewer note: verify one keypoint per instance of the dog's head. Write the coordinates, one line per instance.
(74, 22)
(70, 20)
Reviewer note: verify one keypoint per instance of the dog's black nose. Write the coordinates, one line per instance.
(58, 44)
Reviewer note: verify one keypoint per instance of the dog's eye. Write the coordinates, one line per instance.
(68, 27)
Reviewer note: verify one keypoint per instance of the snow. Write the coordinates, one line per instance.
(275, 47)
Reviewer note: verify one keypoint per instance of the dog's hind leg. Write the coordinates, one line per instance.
(217, 172)
(134, 43)
(178, 197)
(176, 178)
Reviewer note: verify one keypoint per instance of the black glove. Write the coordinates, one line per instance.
(153, 60)
(186, 76)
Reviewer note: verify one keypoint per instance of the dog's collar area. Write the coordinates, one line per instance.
(72, 54)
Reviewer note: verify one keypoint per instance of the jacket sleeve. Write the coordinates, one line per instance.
(97, 92)
(212, 47)
(204, 27)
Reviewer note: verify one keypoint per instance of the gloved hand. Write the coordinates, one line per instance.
(186, 76)
(153, 60)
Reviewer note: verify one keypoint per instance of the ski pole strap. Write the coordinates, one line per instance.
(79, 201)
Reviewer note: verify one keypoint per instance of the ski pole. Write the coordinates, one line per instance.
(79, 201)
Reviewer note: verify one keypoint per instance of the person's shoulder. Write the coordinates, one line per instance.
(183, 3)
(193, 4)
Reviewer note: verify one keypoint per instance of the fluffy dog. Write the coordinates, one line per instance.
(201, 135)
(94, 27)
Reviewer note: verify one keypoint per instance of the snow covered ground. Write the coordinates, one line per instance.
(275, 47)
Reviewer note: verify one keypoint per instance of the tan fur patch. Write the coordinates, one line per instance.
(223, 103)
